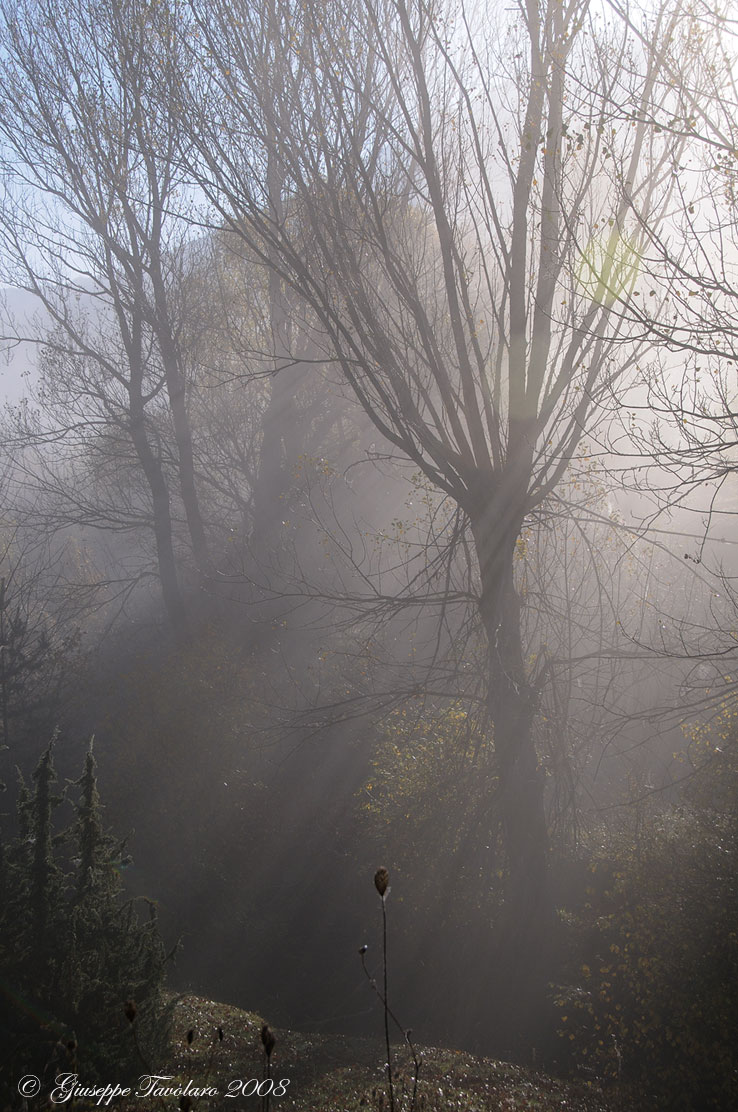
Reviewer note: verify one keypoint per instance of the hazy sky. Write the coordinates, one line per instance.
(17, 361)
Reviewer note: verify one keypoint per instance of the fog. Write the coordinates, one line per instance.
(367, 493)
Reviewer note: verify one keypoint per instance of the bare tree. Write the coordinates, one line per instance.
(681, 428)
(464, 221)
(89, 226)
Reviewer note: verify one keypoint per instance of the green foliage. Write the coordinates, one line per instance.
(429, 808)
(72, 949)
(438, 762)
(654, 998)
(712, 757)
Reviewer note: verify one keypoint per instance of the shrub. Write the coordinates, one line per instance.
(654, 998)
(72, 949)
(439, 762)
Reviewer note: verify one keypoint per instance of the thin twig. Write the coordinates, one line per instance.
(406, 1034)
(386, 1005)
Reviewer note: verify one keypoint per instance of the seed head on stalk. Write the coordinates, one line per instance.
(381, 880)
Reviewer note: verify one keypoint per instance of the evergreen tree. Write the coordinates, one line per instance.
(45, 879)
(72, 948)
(94, 846)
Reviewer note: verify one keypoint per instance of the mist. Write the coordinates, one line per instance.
(367, 502)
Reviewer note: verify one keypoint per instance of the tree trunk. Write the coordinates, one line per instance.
(167, 566)
(279, 438)
(279, 424)
(512, 702)
(186, 462)
(176, 392)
